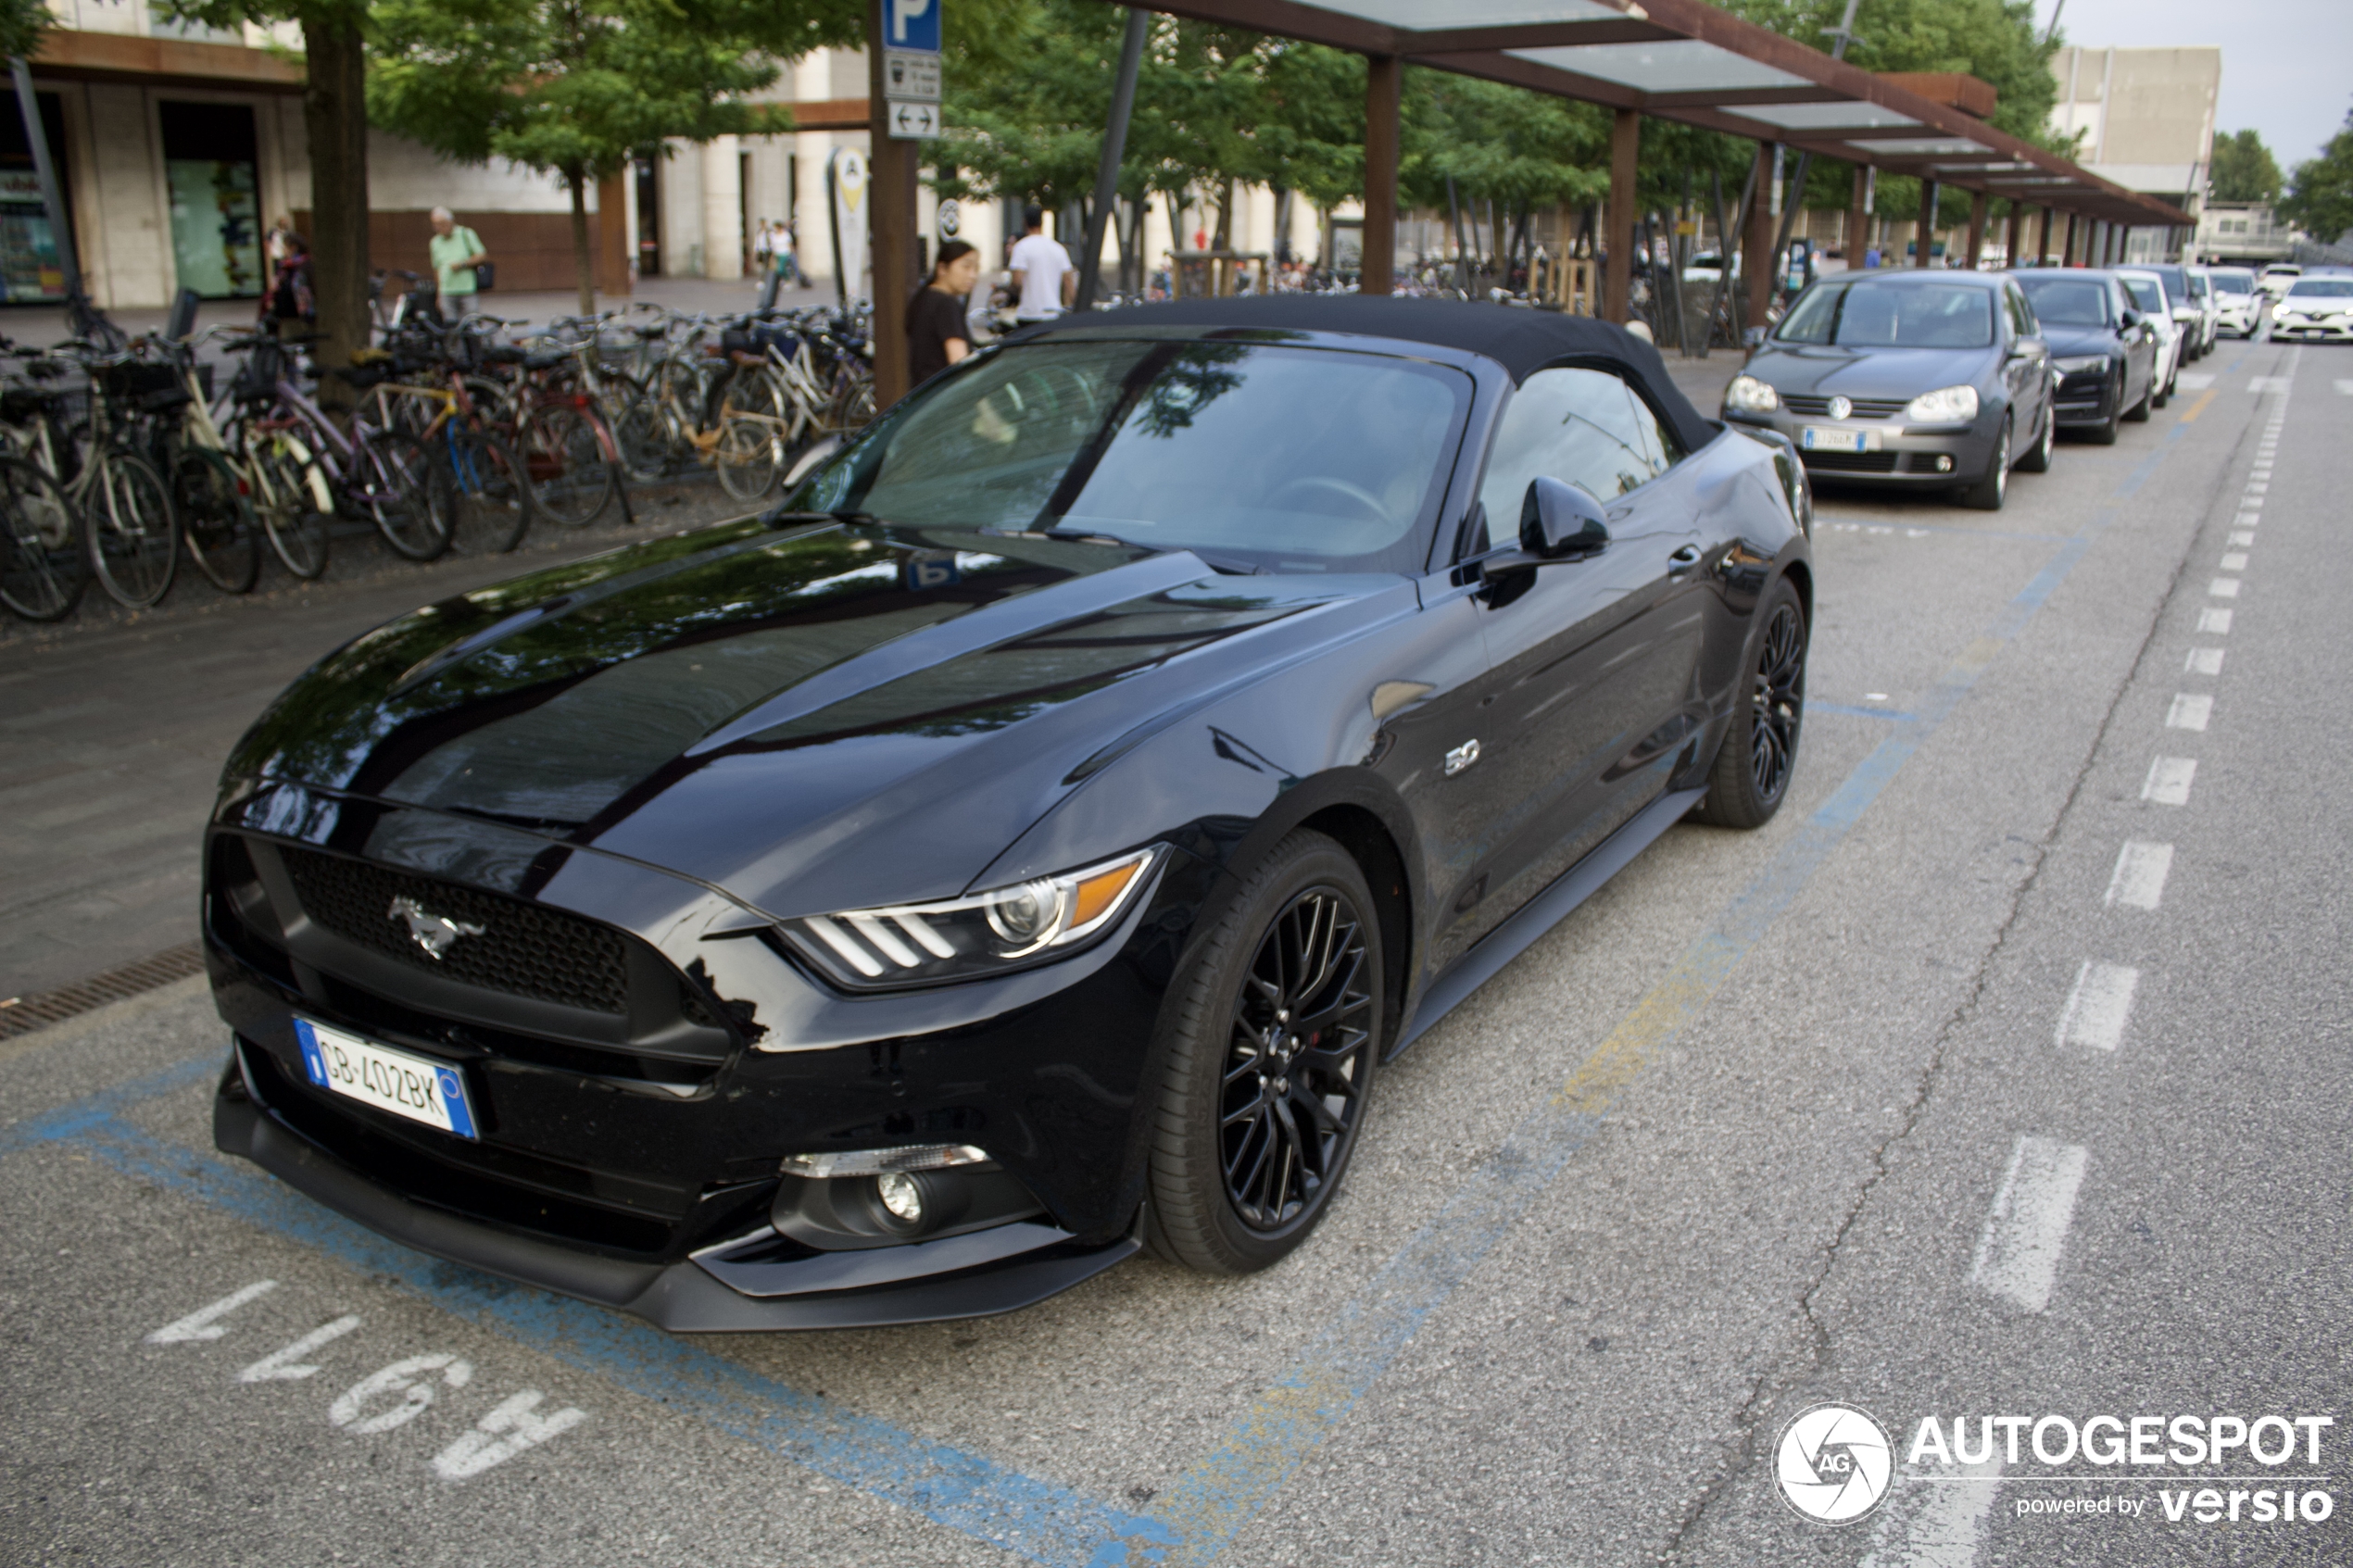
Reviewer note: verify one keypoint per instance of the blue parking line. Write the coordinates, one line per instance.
(1041, 1520)
(1841, 709)
(1219, 1496)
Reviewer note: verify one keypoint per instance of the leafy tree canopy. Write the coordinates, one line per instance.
(2244, 169)
(2319, 199)
(22, 24)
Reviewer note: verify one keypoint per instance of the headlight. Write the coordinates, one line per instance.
(1750, 396)
(1950, 405)
(991, 932)
(2081, 363)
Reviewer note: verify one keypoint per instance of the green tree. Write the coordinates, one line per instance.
(2244, 169)
(576, 88)
(335, 117)
(22, 24)
(2319, 199)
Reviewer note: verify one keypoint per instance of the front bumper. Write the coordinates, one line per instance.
(634, 1161)
(1903, 456)
(2336, 328)
(2084, 398)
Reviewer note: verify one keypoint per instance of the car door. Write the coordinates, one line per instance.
(1591, 686)
(2139, 343)
(2026, 365)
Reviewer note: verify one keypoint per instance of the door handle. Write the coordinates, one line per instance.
(1684, 559)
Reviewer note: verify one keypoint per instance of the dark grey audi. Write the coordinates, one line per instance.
(1021, 847)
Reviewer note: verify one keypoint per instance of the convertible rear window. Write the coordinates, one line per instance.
(1893, 316)
(2069, 302)
(1269, 456)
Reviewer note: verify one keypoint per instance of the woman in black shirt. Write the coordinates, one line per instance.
(937, 336)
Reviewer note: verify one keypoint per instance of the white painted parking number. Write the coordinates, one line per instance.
(390, 1397)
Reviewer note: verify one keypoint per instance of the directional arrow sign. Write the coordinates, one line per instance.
(912, 121)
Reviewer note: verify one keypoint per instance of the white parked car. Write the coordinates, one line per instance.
(2192, 302)
(2238, 302)
(2279, 277)
(2150, 298)
(2320, 306)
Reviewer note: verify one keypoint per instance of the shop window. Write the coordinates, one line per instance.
(214, 183)
(30, 270)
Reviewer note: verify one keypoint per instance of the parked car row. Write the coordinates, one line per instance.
(1951, 380)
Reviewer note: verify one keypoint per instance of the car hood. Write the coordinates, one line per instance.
(808, 718)
(1867, 373)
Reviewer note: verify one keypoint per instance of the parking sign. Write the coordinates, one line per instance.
(912, 24)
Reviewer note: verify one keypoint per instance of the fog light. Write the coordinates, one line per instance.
(1944, 464)
(898, 1193)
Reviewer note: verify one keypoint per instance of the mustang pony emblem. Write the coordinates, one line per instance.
(433, 932)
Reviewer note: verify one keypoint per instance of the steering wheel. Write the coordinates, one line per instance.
(1373, 511)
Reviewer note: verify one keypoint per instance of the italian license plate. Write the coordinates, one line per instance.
(1817, 438)
(413, 1087)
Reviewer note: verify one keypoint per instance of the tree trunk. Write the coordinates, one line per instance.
(335, 116)
(582, 259)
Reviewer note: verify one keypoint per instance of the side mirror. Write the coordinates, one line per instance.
(2132, 318)
(1557, 521)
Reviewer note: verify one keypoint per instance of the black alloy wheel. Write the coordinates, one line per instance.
(2038, 457)
(1758, 756)
(1299, 1031)
(1988, 493)
(1274, 1036)
(2104, 433)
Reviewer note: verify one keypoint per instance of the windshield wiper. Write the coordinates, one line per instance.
(1231, 566)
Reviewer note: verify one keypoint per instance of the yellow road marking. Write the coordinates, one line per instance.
(2194, 410)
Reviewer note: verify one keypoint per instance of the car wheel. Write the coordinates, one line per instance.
(1988, 493)
(2139, 412)
(1274, 1036)
(2038, 457)
(1753, 767)
(2104, 433)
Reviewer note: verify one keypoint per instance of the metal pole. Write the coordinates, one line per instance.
(1841, 35)
(1618, 270)
(37, 137)
(1122, 104)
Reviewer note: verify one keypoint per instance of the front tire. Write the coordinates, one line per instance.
(1758, 754)
(1274, 1031)
(1988, 493)
(2038, 457)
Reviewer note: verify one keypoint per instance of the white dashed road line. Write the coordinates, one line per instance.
(2190, 711)
(2138, 881)
(2215, 620)
(2096, 1010)
(2017, 1255)
(2204, 661)
(2168, 780)
(2223, 587)
(2234, 561)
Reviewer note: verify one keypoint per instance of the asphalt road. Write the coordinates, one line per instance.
(2001, 1078)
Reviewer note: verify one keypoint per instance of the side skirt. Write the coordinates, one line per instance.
(1542, 912)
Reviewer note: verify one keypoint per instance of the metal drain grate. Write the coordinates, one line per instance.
(22, 1015)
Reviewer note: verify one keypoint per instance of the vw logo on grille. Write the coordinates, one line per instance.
(436, 934)
(1841, 407)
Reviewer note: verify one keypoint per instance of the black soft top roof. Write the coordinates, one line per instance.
(1520, 341)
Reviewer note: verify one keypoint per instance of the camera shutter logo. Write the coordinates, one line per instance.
(1833, 1463)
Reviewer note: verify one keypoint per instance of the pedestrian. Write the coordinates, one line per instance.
(763, 248)
(273, 243)
(788, 250)
(1045, 282)
(937, 335)
(456, 251)
(288, 297)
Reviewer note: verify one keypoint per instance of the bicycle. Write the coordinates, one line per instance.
(209, 492)
(128, 528)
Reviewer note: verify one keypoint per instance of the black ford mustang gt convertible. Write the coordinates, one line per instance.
(1023, 846)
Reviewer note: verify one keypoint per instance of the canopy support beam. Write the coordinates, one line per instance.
(1383, 77)
(1624, 151)
(1122, 104)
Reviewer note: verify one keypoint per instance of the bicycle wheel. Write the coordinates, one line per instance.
(223, 537)
(681, 390)
(750, 451)
(42, 569)
(563, 456)
(397, 486)
(290, 494)
(127, 522)
(493, 503)
(638, 430)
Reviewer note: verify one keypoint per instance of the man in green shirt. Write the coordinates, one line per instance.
(455, 252)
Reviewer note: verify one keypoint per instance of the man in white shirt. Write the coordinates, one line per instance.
(1045, 283)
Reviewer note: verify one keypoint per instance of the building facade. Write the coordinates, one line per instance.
(2145, 119)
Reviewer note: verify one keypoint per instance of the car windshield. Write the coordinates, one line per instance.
(2235, 280)
(2145, 293)
(2068, 302)
(2177, 283)
(1264, 457)
(2325, 288)
(1893, 316)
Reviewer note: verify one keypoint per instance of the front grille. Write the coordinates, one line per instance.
(1865, 407)
(1851, 462)
(524, 949)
